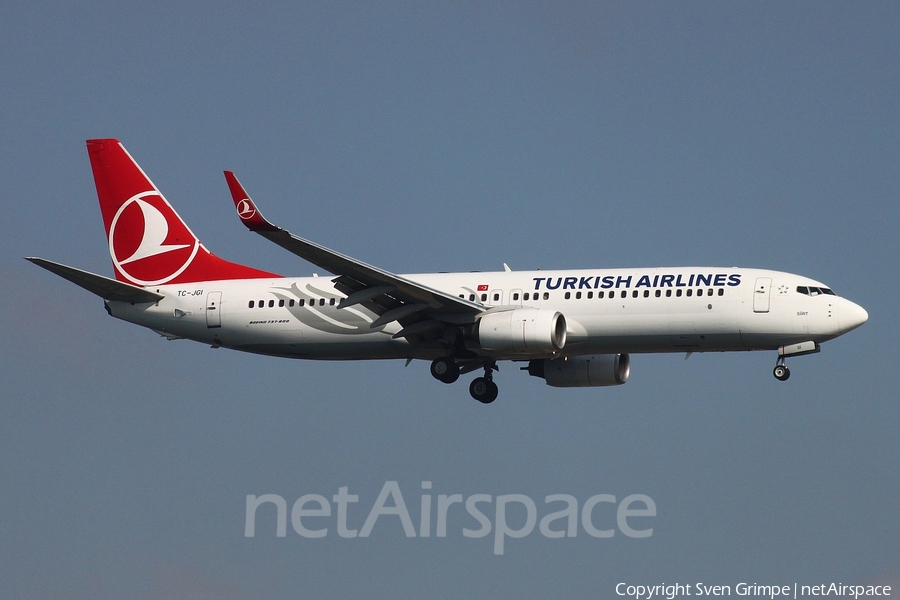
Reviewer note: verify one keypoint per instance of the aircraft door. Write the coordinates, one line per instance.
(761, 294)
(214, 309)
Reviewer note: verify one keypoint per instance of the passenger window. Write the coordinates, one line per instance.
(291, 303)
(484, 297)
(721, 291)
(590, 295)
(280, 303)
(262, 303)
(568, 295)
(321, 301)
(690, 292)
(251, 304)
(496, 297)
(600, 294)
(516, 297)
(463, 296)
(709, 292)
(678, 293)
(546, 296)
(271, 303)
(331, 302)
(646, 293)
(658, 293)
(668, 293)
(301, 302)
(471, 297)
(578, 295)
(634, 294)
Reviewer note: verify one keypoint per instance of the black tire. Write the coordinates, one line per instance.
(445, 370)
(781, 373)
(484, 390)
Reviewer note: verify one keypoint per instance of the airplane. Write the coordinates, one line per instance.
(572, 328)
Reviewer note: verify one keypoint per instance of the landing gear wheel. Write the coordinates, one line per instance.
(484, 390)
(781, 373)
(445, 369)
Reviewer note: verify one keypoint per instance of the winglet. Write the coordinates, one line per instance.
(246, 209)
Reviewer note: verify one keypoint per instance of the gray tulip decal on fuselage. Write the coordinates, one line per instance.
(318, 311)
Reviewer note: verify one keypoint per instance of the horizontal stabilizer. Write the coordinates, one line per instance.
(106, 288)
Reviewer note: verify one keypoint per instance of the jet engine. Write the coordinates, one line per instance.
(582, 371)
(523, 331)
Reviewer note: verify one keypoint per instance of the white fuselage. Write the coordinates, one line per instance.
(692, 309)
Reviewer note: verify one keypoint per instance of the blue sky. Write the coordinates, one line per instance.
(433, 137)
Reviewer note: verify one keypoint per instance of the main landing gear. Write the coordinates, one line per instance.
(445, 369)
(483, 389)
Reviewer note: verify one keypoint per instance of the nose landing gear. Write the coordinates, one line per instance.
(781, 372)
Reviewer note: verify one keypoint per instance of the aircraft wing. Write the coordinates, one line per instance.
(394, 297)
(106, 288)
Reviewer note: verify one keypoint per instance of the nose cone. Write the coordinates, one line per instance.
(851, 316)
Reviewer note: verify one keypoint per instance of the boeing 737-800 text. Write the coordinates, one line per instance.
(572, 328)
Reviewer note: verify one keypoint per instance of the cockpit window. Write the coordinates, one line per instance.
(814, 291)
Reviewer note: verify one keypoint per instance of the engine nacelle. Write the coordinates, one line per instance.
(523, 331)
(583, 371)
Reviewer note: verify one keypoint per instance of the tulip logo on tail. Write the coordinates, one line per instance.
(148, 243)
(245, 209)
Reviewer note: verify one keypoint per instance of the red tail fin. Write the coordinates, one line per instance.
(148, 242)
